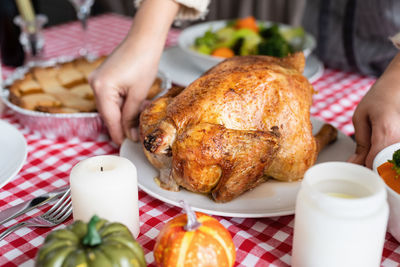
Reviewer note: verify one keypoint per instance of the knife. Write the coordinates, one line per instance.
(17, 210)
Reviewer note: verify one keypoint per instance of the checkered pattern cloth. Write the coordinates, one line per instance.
(259, 242)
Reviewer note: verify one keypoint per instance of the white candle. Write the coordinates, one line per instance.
(106, 186)
(26, 10)
(341, 217)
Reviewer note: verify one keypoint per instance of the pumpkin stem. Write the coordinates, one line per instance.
(192, 222)
(92, 237)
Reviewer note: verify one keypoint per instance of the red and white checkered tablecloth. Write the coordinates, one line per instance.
(259, 242)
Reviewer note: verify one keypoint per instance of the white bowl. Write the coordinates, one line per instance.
(204, 62)
(393, 197)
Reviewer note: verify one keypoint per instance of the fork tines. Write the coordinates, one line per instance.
(61, 210)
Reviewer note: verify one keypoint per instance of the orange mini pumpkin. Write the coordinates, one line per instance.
(208, 244)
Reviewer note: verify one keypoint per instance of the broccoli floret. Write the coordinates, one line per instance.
(275, 46)
(208, 39)
(237, 46)
(203, 49)
(270, 32)
(396, 161)
(249, 43)
(226, 37)
(291, 33)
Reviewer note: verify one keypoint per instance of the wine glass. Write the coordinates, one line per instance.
(82, 8)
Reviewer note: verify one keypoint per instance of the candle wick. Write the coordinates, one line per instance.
(101, 168)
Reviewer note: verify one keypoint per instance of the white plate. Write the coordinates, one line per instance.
(13, 151)
(272, 198)
(182, 72)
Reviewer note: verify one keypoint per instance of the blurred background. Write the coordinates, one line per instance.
(349, 37)
(59, 11)
(62, 11)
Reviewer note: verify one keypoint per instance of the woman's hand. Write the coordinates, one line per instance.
(121, 83)
(377, 115)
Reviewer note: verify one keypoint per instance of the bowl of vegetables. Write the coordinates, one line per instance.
(387, 165)
(206, 44)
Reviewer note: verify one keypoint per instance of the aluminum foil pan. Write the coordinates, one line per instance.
(85, 126)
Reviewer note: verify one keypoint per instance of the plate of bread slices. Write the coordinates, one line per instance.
(54, 97)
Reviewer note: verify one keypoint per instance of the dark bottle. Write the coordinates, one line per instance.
(11, 51)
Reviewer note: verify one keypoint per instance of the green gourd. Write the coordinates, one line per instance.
(96, 244)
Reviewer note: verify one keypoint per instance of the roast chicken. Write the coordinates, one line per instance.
(241, 123)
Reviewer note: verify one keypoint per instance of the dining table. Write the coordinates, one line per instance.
(264, 241)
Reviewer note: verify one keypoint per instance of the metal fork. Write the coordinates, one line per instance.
(60, 211)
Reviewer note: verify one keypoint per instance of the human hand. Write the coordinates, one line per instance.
(375, 120)
(123, 80)
(120, 85)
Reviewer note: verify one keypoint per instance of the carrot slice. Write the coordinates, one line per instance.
(247, 23)
(224, 52)
(390, 176)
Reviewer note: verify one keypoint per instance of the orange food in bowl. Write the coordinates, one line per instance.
(224, 52)
(247, 23)
(390, 176)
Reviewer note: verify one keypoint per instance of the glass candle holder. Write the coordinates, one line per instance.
(31, 37)
(341, 217)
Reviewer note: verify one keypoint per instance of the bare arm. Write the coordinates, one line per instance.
(123, 80)
(377, 116)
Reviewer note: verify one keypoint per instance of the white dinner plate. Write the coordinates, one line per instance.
(182, 72)
(13, 151)
(272, 198)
